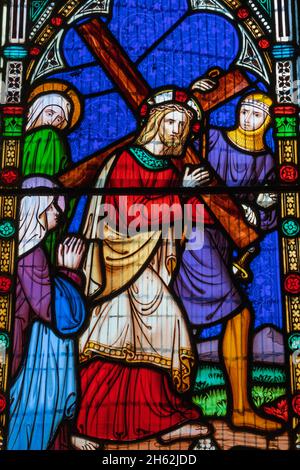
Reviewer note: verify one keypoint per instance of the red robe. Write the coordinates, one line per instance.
(122, 402)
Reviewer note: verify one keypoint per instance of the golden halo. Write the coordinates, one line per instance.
(63, 88)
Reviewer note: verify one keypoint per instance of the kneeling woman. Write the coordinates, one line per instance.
(49, 311)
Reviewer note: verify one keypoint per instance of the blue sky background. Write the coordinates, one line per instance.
(198, 42)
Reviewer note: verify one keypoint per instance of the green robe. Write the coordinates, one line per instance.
(45, 154)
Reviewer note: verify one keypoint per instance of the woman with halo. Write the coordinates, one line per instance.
(54, 107)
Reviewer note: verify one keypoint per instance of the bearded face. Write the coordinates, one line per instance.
(172, 132)
(168, 125)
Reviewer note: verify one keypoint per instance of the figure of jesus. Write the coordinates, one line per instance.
(139, 358)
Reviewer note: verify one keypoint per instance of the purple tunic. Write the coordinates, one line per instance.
(33, 299)
(205, 283)
(241, 168)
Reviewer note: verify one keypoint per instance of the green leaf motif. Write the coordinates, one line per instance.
(4, 341)
(290, 227)
(294, 342)
(286, 126)
(13, 126)
(7, 229)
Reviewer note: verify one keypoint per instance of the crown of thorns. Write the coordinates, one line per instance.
(174, 96)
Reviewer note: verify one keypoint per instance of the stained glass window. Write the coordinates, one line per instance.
(149, 225)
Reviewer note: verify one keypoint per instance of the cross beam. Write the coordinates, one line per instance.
(134, 89)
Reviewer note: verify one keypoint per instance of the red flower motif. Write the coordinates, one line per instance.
(56, 21)
(292, 284)
(288, 173)
(2, 403)
(144, 110)
(280, 409)
(243, 13)
(264, 43)
(34, 51)
(5, 283)
(9, 176)
(181, 96)
(296, 404)
(196, 127)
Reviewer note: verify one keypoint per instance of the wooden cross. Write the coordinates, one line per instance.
(135, 90)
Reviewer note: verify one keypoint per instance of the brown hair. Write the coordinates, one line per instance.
(156, 115)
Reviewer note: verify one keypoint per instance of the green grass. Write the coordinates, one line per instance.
(212, 402)
(209, 376)
(210, 393)
(262, 395)
(268, 375)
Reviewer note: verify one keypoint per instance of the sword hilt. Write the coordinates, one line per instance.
(242, 264)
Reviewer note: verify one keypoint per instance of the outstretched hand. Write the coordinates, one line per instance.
(204, 84)
(70, 253)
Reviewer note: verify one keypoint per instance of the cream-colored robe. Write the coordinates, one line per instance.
(134, 317)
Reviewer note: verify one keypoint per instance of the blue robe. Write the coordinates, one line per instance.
(45, 392)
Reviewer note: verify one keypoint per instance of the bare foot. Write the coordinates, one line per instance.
(279, 442)
(249, 419)
(81, 443)
(227, 438)
(188, 431)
